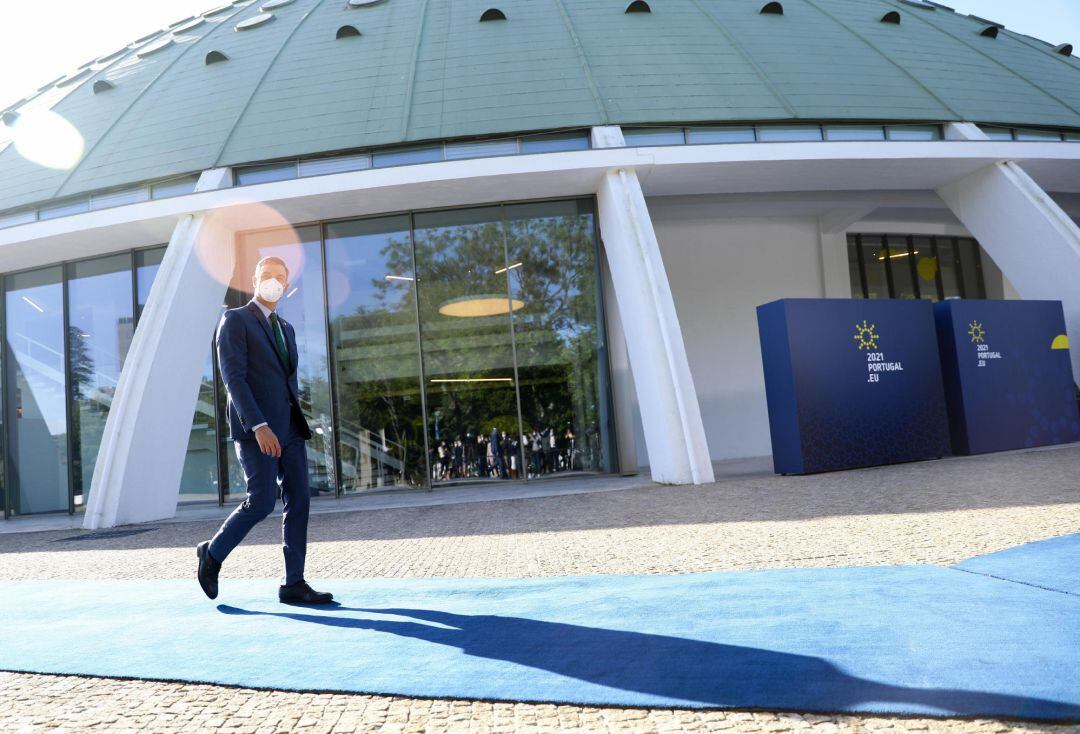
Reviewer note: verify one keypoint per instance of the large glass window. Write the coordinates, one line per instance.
(36, 392)
(442, 346)
(101, 325)
(558, 337)
(199, 481)
(869, 253)
(371, 292)
(473, 428)
(900, 262)
(902, 266)
(949, 267)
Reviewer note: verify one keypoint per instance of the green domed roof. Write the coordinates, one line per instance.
(430, 69)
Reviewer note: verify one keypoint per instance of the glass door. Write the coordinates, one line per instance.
(473, 424)
(36, 392)
(371, 301)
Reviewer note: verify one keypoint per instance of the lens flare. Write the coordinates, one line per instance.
(218, 236)
(47, 139)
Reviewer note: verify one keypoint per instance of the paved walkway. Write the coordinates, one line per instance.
(932, 512)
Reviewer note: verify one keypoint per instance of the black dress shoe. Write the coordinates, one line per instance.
(301, 593)
(208, 569)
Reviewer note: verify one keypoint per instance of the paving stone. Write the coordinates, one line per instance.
(930, 512)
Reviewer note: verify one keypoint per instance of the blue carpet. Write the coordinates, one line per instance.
(1048, 564)
(904, 640)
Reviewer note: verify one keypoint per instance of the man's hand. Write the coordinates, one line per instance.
(267, 441)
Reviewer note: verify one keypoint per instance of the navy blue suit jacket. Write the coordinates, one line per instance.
(255, 378)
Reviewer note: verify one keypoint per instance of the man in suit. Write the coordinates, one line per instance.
(257, 355)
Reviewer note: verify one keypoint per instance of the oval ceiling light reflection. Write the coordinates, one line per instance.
(480, 305)
(47, 139)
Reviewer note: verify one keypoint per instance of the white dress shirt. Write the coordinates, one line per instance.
(266, 315)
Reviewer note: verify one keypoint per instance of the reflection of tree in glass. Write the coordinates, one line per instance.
(378, 371)
(81, 367)
(82, 363)
(557, 331)
(460, 261)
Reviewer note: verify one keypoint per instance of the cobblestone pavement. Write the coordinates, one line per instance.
(932, 512)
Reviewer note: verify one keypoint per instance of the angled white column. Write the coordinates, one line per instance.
(1034, 242)
(670, 414)
(141, 458)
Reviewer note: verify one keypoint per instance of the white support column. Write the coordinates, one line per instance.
(832, 236)
(1034, 242)
(141, 458)
(670, 414)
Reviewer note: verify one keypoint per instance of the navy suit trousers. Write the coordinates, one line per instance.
(263, 473)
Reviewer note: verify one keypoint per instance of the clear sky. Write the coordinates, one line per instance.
(43, 39)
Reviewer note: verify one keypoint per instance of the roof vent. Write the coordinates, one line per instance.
(891, 17)
(492, 14)
(772, 9)
(114, 55)
(274, 5)
(990, 31)
(362, 3)
(154, 47)
(347, 31)
(147, 37)
(254, 21)
(214, 57)
(103, 85)
(191, 24)
(10, 117)
(217, 11)
(1064, 49)
(638, 6)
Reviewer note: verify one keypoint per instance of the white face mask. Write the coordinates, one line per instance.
(270, 290)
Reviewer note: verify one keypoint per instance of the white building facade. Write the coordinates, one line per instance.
(505, 306)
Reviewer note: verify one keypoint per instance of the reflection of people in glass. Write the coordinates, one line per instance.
(495, 449)
(535, 452)
(444, 460)
(482, 453)
(568, 448)
(458, 466)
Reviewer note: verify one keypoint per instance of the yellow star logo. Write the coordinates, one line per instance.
(976, 332)
(866, 335)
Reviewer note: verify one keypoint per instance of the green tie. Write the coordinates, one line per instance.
(282, 350)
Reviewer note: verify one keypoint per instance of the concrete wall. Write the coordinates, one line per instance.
(721, 268)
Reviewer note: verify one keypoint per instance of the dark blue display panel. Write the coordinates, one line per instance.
(852, 382)
(1008, 379)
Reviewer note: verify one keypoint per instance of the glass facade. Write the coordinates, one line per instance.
(912, 266)
(371, 298)
(35, 395)
(101, 324)
(436, 347)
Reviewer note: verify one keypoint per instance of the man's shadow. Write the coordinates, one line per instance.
(674, 667)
